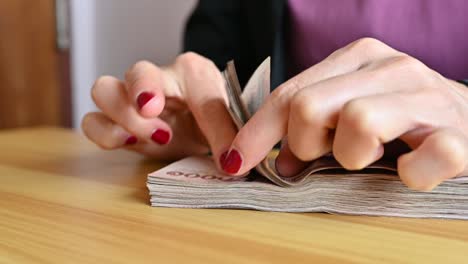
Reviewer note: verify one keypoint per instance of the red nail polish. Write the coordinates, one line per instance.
(143, 98)
(232, 163)
(160, 136)
(222, 158)
(131, 140)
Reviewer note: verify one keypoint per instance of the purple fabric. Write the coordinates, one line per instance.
(433, 31)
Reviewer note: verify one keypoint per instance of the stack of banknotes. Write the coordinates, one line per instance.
(324, 186)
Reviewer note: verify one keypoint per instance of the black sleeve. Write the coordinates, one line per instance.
(213, 30)
(465, 82)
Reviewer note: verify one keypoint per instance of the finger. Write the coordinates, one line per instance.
(366, 123)
(147, 87)
(105, 133)
(270, 123)
(203, 89)
(441, 156)
(110, 96)
(287, 164)
(314, 112)
(315, 109)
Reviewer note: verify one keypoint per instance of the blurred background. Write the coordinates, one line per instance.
(51, 51)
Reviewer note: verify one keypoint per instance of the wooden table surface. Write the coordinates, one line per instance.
(63, 200)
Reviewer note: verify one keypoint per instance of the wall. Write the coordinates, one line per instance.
(108, 36)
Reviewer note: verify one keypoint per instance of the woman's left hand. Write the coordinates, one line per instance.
(359, 98)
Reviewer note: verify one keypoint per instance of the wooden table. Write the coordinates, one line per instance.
(63, 200)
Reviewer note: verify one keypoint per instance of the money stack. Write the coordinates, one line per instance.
(324, 186)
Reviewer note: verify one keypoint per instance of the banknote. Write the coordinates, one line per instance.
(324, 186)
(195, 182)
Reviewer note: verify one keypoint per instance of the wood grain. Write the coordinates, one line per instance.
(62, 200)
(30, 66)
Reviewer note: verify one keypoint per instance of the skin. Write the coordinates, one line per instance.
(362, 97)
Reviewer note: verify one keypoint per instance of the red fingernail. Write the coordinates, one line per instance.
(222, 158)
(231, 162)
(160, 136)
(131, 140)
(143, 98)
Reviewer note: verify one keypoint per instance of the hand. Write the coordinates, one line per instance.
(166, 113)
(359, 98)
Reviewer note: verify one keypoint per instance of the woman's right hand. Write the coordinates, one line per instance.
(163, 112)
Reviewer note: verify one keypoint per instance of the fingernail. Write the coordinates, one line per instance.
(160, 136)
(131, 140)
(231, 161)
(222, 158)
(143, 98)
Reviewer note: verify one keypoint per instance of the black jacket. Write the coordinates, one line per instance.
(246, 31)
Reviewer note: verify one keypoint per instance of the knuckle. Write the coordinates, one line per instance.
(449, 146)
(285, 90)
(407, 64)
(197, 67)
(306, 109)
(359, 115)
(188, 56)
(292, 86)
(191, 60)
(283, 95)
(140, 65)
(359, 51)
(137, 70)
(407, 68)
(365, 45)
(101, 84)
(280, 97)
(137, 67)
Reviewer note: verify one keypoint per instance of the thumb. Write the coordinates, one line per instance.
(204, 92)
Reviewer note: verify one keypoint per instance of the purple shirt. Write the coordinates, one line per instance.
(433, 31)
